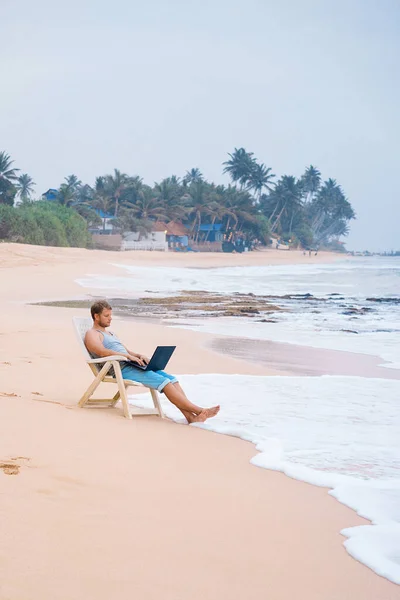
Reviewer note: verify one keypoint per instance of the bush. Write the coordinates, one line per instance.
(27, 230)
(75, 227)
(43, 224)
(258, 228)
(305, 235)
(8, 217)
(7, 192)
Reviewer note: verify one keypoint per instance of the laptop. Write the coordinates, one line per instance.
(158, 361)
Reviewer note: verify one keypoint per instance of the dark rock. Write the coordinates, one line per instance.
(388, 300)
(357, 311)
(301, 297)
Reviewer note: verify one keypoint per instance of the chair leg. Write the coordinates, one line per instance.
(122, 389)
(115, 399)
(156, 402)
(95, 384)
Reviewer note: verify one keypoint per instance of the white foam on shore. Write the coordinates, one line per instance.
(336, 432)
(350, 277)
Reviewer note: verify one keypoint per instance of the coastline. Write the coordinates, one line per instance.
(233, 523)
(20, 255)
(291, 359)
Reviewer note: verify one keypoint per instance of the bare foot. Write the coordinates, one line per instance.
(190, 417)
(205, 414)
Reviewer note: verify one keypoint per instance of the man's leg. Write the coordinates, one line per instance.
(189, 416)
(193, 413)
(173, 392)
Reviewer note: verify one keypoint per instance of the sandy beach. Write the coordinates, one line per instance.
(100, 506)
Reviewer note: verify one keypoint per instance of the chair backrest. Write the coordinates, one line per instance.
(82, 325)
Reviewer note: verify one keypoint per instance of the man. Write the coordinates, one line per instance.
(101, 343)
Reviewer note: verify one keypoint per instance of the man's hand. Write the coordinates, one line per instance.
(139, 359)
(144, 359)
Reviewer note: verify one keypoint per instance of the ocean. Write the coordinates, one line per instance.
(334, 431)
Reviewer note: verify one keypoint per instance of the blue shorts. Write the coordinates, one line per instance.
(152, 379)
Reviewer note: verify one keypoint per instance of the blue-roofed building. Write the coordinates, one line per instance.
(213, 232)
(107, 223)
(104, 215)
(50, 195)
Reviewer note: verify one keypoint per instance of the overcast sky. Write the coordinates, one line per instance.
(159, 86)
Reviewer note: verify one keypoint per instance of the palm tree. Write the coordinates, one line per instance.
(330, 212)
(116, 184)
(7, 172)
(199, 198)
(240, 165)
(172, 197)
(73, 182)
(8, 176)
(102, 201)
(311, 182)
(131, 191)
(25, 185)
(148, 206)
(167, 190)
(218, 212)
(66, 195)
(85, 194)
(68, 192)
(287, 198)
(240, 206)
(193, 176)
(260, 178)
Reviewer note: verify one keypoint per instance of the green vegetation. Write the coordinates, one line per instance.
(44, 224)
(255, 205)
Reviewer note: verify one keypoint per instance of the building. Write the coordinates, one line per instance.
(51, 195)
(106, 228)
(108, 239)
(212, 232)
(155, 240)
(177, 235)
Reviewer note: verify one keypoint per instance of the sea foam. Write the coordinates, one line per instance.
(337, 432)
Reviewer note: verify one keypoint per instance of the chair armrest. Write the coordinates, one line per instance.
(104, 359)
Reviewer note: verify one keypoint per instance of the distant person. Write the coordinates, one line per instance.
(101, 343)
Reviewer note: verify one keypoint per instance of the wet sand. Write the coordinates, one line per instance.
(291, 359)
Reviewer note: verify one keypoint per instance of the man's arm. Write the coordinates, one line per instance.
(141, 357)
(94, 343)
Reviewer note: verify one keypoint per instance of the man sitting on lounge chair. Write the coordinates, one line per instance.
(101, 343)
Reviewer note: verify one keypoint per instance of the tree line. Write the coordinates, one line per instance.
(306, 211)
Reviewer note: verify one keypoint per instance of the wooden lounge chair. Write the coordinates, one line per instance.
(101, 368)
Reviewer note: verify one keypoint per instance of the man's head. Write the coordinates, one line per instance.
(101, 312)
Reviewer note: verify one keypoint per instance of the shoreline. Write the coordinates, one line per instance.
(292, 359)
(23, 255)
(244, 514)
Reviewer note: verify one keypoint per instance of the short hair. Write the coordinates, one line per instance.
(98, 307)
